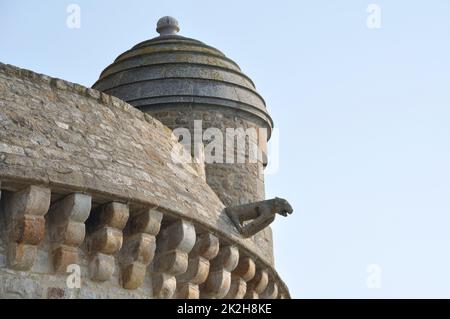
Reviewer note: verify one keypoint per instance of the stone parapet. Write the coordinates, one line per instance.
(74, 147)
(127, 250)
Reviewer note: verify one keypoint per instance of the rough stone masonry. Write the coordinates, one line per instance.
(89, 188)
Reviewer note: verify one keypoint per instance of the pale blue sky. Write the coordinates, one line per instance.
(364, 119)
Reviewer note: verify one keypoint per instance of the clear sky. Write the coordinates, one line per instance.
(363, 114)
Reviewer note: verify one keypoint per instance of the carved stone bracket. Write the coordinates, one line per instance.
(244, 272)
(65, 221)
(24, 213)
(105, 238)
(185, 262)
(257, 285)
(218, 282)
(139, 246)
(206, 248)
(271, 292)
(173, 245)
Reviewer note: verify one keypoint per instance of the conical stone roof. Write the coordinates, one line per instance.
(172, 69)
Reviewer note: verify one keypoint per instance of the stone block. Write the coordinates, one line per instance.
(21, 256)
(63, 256)
(101, 267)
(65, 220)
(139, 246)
(133, 275)
(164, 286)
(218, 282)
(24, 216)
(105, 238)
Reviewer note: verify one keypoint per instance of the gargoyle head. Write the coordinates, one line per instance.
(284, 208)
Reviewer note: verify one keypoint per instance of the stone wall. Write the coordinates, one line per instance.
(71, 138)
(236, 183)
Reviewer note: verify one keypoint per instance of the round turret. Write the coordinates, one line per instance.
(179, 80)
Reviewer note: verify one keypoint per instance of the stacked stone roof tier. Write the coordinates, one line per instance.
(171, 69)
(69, 138)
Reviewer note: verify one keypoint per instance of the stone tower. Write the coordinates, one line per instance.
(89, 186)
(185, 83)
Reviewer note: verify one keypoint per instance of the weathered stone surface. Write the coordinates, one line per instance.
(238, 287)
(147, 221)
(244, 271)
(218, 282)
(65, 221)
(23, 215)
(206, 247)
(21, 256)
(33, 200)
(203, 85)
(64, 256)
(19, 286)
(257, 285)
(133, 275)
(236, 183)
(115, 144)
(44, 122)
(271, 291)
(164, 285)
(187, 290)
(104, 227)
(246, 268)
(139, 246)
(251, 218)
(56, 293)
(101, 267)
(174, 243)
(148, 73)
(28, 229)
(106, 240)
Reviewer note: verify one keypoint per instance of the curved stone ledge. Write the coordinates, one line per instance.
(173, 67)
(185, 260)
(73, 139)
(164, 58)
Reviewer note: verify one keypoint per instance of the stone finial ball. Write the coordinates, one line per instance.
(167, 26)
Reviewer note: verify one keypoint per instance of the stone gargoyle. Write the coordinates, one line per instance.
(251, 218)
